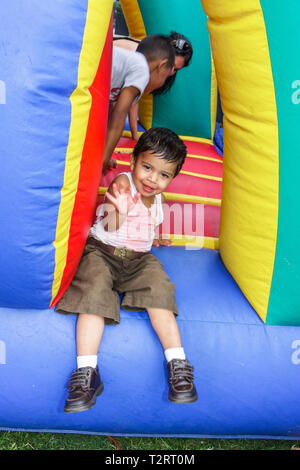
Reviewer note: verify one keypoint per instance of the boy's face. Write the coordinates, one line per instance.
(159, 72)
(151, 173)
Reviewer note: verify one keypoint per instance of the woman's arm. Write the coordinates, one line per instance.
(116, 121)
(133, 120)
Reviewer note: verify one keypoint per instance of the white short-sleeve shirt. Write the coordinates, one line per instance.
(129, 68)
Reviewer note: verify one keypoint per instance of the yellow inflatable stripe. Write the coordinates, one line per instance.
(181, 198)
(189, 138)
(146, 110)
(213, 97)
(123, 150)
(121, 162)
(191, 198)
(193, 241)
(96, 27)
(128, 133)
(204, 157)
(133, 18)
(199, 175)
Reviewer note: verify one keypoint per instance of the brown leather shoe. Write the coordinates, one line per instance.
(84, 386)
(181, 386)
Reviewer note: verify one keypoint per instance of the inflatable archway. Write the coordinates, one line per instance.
(156, 17)
(53, 98)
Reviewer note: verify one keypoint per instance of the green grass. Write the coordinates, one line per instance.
(11, 440)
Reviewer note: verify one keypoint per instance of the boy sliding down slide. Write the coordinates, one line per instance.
(117, 259)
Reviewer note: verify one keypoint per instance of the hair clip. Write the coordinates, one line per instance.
(180, 44)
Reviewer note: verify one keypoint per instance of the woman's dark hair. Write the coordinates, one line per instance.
(182, 47)
(162, 142)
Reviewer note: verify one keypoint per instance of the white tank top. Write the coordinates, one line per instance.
(138, 229)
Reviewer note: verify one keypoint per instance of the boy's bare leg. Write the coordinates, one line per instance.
(89, 333)
(181, 385)
(85, 383)
(165, 325)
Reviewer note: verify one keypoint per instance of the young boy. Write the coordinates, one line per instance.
(117, 259)
(135, 73)
(183, 54)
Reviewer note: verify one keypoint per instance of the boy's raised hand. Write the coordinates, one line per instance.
(121, 198)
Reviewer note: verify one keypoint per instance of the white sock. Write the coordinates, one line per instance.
(86, 361)
(174, 353)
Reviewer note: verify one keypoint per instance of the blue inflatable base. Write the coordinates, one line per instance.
(247, 373)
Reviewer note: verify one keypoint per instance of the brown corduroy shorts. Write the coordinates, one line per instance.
(101, 277)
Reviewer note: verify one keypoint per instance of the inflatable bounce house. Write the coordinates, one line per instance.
(235, 259)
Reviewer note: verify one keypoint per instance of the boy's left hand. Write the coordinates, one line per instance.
(157, 242)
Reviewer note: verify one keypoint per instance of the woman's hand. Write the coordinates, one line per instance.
(135, 135)
(109, 165)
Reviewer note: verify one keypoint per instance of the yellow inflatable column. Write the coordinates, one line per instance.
(251, 170)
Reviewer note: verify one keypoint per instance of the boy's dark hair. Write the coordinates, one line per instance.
(157, 46)
(163, 142)
(183, 48)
